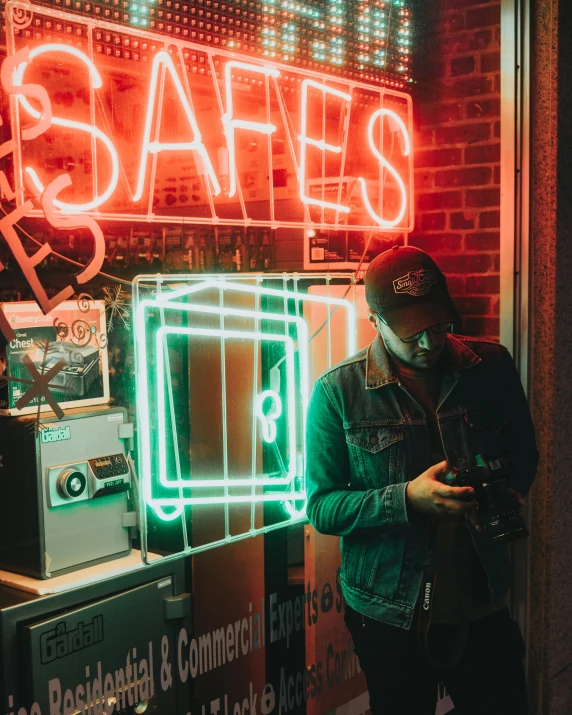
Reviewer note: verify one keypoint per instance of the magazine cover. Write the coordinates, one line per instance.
(75, 333)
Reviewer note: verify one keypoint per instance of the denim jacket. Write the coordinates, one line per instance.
(367, 437)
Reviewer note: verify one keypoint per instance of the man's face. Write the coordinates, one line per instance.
(421, 355)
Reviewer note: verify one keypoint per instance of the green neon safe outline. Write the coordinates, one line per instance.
(168, 301)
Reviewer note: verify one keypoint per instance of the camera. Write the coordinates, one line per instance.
(498, 509)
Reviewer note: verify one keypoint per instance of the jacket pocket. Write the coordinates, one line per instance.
(487, 419)
(360, 560)
(484, 428)
(375, 564)
(374, 452)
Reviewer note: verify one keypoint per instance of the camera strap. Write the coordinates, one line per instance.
(448, 646)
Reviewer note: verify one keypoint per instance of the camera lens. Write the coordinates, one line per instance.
(500, 514)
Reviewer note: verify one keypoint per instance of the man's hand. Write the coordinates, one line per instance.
(429, 496)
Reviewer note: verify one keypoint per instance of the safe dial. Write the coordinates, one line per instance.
(71, 484)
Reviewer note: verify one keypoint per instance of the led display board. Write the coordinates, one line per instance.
(367, 40)
(152, 128)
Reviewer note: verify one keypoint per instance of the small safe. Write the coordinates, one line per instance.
(64, 491)
(97, 648)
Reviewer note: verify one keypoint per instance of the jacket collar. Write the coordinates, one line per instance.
(380, 371)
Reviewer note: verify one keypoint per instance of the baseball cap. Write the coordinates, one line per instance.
(407, 288)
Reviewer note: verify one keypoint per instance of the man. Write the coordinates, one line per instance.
(387, 430)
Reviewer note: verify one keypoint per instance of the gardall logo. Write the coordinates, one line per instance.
(55, 434)
(61, 642)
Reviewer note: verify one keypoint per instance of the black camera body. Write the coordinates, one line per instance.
(498, 509)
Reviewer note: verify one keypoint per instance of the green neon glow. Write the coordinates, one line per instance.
(257, 290)
(165, 502)
(268, 419)
(302, 331)
(224, 334)
(170, 508)
(179, 502)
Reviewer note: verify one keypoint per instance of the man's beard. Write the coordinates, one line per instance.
(412, 364)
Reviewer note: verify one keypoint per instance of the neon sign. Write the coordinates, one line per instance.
(95, 82)
(392, 116)
(318, 143)
(211, 312)
(253, 143)
(163, 59)
(268, 419)
(230, 123)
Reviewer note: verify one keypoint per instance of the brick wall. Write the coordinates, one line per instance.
(457, 152)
